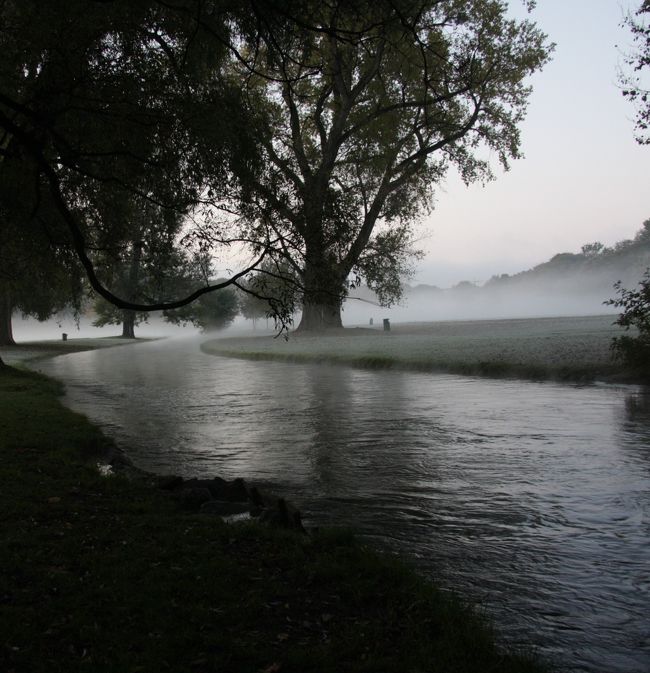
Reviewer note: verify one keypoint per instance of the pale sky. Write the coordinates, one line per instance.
(583, 177)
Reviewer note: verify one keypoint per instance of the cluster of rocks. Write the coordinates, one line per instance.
(228, 499)
(223, 498)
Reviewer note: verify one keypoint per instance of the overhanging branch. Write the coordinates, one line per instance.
(79, 243)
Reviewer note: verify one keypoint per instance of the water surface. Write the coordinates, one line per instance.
(530, 499)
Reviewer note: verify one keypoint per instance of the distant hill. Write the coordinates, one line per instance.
(595, 269)
(567, 284)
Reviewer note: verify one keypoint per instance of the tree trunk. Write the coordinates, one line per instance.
(318, 317)
(323, 295)
(128, 317)
(6, 309)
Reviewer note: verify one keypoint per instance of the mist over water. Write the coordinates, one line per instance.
(531, 499)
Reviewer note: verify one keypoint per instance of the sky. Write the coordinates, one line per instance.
(583, 177)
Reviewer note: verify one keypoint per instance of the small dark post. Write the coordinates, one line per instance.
(371, 322)
(386, 325)
(64, 336)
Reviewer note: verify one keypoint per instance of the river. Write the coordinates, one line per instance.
(531, 500)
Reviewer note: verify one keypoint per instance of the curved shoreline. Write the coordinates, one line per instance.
(573, 350)
(487, 369)
(141, 582)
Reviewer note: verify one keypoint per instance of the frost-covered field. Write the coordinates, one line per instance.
(542, 347)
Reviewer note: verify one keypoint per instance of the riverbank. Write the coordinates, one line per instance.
(563, 349)
(106, 574)
(31, 351)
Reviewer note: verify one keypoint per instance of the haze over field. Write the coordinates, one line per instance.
(423, 304)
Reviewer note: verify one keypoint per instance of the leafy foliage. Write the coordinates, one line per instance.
(634, 350)
(107, 104)
(273, 291)
(635, 83)
(39, 275)
(211, 312)
(319, 130)
(150, 262)
(367, 111)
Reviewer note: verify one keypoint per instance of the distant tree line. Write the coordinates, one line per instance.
(211, 312)
(596, 266)
(628, 257)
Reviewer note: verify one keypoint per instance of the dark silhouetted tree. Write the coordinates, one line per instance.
(127, 98)
(634, 350)
(370, 103)
(211, 312)
(39, 274)
(272, 291)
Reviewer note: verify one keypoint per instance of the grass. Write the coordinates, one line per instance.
(31, 351)
(566, 349)
(104, 574)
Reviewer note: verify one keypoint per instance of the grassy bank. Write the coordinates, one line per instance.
(565, 349)
(31, 351)
(104, 574)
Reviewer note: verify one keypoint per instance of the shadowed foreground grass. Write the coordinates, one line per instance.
(103, 574)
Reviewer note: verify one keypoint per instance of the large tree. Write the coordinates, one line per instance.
(370, 103)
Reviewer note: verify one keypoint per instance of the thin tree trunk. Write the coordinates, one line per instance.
(6, 310)
(128, 317)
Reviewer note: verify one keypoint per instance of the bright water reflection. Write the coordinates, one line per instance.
(530, 499)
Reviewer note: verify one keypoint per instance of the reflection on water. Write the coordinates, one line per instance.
(530, 499)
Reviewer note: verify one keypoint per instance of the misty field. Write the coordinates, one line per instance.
(576, 348)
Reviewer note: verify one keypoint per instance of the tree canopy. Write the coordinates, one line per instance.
(103, 103)
(312, 134)
(39, 274)
(370, 103)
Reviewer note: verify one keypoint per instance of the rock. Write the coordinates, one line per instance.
(238, 490)
(168, 482)
(224, 498)
(193, 482)
(192, 498)
(257, 501)
(283, 515)
(224, 507)
(220, 489)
